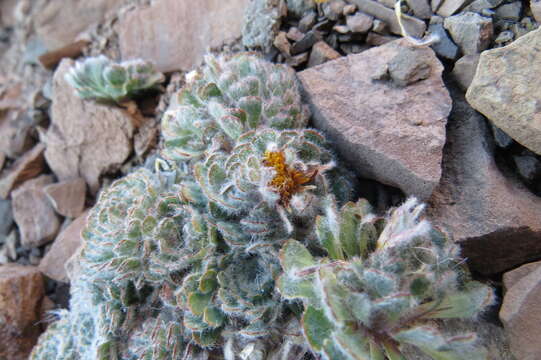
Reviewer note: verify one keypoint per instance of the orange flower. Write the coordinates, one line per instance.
(287, 180)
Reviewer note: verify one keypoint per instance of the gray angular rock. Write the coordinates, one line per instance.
(6, 217)
(535, 7)
(85, 139)
(502, 139)
(521, 310)
(510, 11)
(470, 31)
(491, 214)
(479, 5)
(28, 166)
(414, 27)
(300, 7)
(449, 7)
(34, 215)
(391, 134)
(359, 23)
(175, 34)
(421, 8)
(321, 53)
(464, 70)
(64, 247)
(528, 166)
(67, 197)
(445, 47)
(308, 21)
(21, 292)
(506, 89)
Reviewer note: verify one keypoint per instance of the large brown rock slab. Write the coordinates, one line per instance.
(85, 139)
(28, 166)
(36, 218)
(387, 131)
(64, 246)
(175, 34)
(521, 311)
(21, 294)
(59, 22)
(490, 213)
(506, 89)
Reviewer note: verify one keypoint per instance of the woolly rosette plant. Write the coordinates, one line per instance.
(229, 97)
(185, 260)
(99, 78)
(385, 285)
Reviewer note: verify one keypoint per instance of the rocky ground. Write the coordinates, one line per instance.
(456, 123)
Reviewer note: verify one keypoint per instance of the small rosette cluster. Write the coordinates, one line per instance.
(229, 97)
(384, 285)
(101, 79)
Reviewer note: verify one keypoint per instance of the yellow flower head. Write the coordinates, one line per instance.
(287, 180)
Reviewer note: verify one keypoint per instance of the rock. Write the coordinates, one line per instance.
(67, 197)
(300, 7)
(464, 70)
(50, 59)
(353, 48)
(59, 23)
(445, 47)
(7, 12)
(36, 218)
(409, 66)
(414, 27)
(26, 167)
(65, 245)
(10, 247)
(146, 138)
(349, 9)
(528, 166)
(435, 5)
(502, 139)
(334, 9)
(359, 23)
(492, 215)
(306, 42)
(6, 217)
(294, 34)
(341, 29)
(521, 311)
(479, 5)
(15, 129)
(321, 53)
(505, 89)
(504, 37)
(298, 60)
(380, 27)
(15, 123)
(377, 39)
(535, 7)
(21, 294)
(85, 139)
(175, 34)
(308, 21)
(510, 11)
(2, 160)
(421, 8)
(449, 7)
(470, 31)
(282, 43)
(394, 135)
